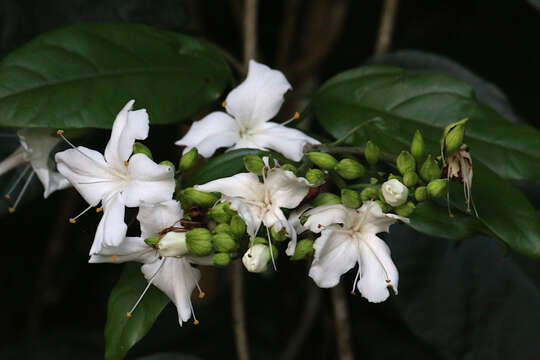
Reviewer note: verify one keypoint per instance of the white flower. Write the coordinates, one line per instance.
(258, 202)
(394, 192)
(245, 125)
(340, 247)
(256, 258)
(36, 147)
(117, 179)
(172, 275)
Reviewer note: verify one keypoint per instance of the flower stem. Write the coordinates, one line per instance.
(239, 318)
(341, 320)
(353, 150)
(386, 29)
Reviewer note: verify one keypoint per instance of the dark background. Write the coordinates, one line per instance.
(457, 301)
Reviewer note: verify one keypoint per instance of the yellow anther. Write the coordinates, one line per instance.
(72, 220)
(126, 163)
(114, 257)
(98, 210)
(451, 216)
(59, 132)
(7, 197)
(202, 294)
(296, 115)
(11, 210)
(129, 314)
(195, 322)
(224, 104)
(468, 211)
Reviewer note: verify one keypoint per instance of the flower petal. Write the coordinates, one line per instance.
(335, 254)
(127, 127)
(112, 229)
(215, 130)
(243, 185)
(285, 189)
(130, 249)
(177, 279)
(259, 97)
(287, 141)
(297, 227)
(148, 181)
(88, 172)
(378, 271)
(249, 213)
(322, 216)
(373, 220)
(156, 217)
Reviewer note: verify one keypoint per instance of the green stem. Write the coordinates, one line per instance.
(355, 150)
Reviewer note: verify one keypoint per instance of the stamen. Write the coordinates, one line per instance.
(23, 190)
(114, 257)
(380, 262)
(126, 163)
(355, 280)
(224, 104)
(202, 294)
(296, 116)
(271, 251)
(14, 185)
(130, 313)
(73, 220)
(99, 209)
(195, 321)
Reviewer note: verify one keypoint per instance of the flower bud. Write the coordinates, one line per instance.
(392, 176)
(278, 236)
(304, 248)
(315, 176)
(173, 244)
(326, 199)
(406, 209)
(437, 188)
(260, 240)
(373, 181)
(152, 241)
(191, 196)
(453, 136)
(288, 167)
(254, 164)
(199, 242)
(223, 228)
(405, 162)
(394, 192)
(169, 164)
(238, 226)
(350, 169)
(323, 160)
(369, 193)
(384, 206)
(220, 213)
(410, 179)
(223, 242)
(350, 198)
(421, 194)
(417, 146)
(430, 170)
(188, 159)
(256, 258)
(221, 259)
(372, 153)
(140, 148)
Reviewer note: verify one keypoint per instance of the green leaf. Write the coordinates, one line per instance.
(81, 76)
(427, 102)
(227, 164)
(122, 332)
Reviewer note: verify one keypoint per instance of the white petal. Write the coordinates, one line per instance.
(112, 229)
(335, 254)
(156, 217)
(148, 181)
(259, 97)
(373, 220)
(215, 130)
(287, 141)
(322, 216)
(127, 127)
(244, 185)
(297, 227)
(376, 268)
(249, 213)
(88, 172)
(285, 189)
(130, 249)
(177, 279)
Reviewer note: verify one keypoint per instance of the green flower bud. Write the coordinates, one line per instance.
(350, 169)
(221, 259)
(406, 209)
(220, 213)
(278, 236)
(191, 196)
(223, 242)
(288, 167)
(372, 153)
(260, 240)
(303, 219)
(173, 244)
(304, 248)
(223, 228)
(384, 206)
(350, 198)
(437, 188)
(373, 180)
(315, 176)
(421, 194)
(152, 241)
(410, 179)
(453, 136)
(369, 193)
(199, 242)
(238, 226)
(417, 146)
(405, 162)
(326, 199)
(140, 148)
(188, 159)
(392, 176)
(256, 258)
(323, 160)
(169, 164)
(430, 170)
(254, 164)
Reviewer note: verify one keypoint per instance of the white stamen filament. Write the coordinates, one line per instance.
(130, 312)
(271, 251)
(356, 279)
(81, 213)
(379, 260)
(287, 122)
(23, 190)
(14, 185)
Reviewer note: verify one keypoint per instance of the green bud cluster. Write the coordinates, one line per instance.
(323, 160)
(430, 170)
(190, 196)
(417, 146)
(350, 198)
(405, 163)
(199, 242)
(315, 176)
(326, 198)
(254, 164)
(304, 248)
(221, 213)
(350, 169)
(372, 153)
(188, 159)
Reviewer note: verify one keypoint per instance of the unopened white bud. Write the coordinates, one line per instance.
(394, 192)
(256, 258)
(173, 244)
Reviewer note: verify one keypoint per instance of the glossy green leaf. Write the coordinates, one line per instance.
(122, 332)
(427, 102)
(81, 76)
